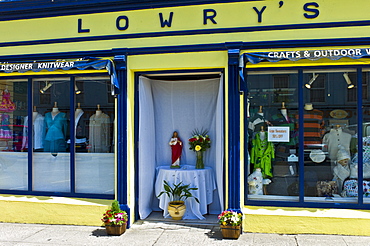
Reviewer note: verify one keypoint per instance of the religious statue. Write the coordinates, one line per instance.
(176, 147)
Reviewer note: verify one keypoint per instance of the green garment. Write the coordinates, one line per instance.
(262, 154)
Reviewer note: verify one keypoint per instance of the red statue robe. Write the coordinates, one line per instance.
(176, 147)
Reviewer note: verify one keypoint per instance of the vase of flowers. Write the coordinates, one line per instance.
(199, 142)
(115, 220)
(230, 224)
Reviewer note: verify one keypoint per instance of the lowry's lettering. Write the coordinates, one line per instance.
(209, 14)
(165, 22)
(259, 13)
(312, 8)
(80, 29)
(119, 24)
(311, 11)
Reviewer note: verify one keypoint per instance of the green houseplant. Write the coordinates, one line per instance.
(115, 220)
(177, 195)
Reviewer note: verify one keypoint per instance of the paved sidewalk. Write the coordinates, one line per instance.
(144, 233)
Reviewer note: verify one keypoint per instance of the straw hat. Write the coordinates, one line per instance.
(317, 156)
(308, 106)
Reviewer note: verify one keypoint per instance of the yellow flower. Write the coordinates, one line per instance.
(197, 148)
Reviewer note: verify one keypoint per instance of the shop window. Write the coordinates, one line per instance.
(43, 131)
(330, 135)
(273, 169)
(13, 112)
(328, 138)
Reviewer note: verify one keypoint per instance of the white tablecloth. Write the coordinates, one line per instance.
(203, 179)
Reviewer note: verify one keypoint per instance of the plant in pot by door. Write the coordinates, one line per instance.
(115, 220)
(230, 224)
(177, 195)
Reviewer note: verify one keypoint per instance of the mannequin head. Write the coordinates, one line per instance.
(308, 106)
(343, 156)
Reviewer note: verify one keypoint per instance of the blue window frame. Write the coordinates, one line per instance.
(38, 157)
(298, 170)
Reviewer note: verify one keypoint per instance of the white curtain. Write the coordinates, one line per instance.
(182, 106)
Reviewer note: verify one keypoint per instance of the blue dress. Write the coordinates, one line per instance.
(55, 133)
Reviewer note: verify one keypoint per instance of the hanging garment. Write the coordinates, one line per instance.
(334, 139)
(38, 127)
(262, 155)
(256, 122)
(279, 120)
(6, 103)
(55, 132)
(99, 133)
(313, 123)
(5, 131)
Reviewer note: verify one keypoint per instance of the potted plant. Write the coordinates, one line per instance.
(177, 195)
(230, 224)
(115, 220)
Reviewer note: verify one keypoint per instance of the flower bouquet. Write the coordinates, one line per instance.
(230, 223)
(115, 220)
(199, 142)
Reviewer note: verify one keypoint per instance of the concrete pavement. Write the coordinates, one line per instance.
(145, 233)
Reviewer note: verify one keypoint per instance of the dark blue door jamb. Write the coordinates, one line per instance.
(122, 179)
(234, 127)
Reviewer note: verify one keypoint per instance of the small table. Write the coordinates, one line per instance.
(203, 179)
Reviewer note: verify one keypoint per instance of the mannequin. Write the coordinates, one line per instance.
(99, 132)
(255, 182)
(55, 110)
(98, 112)
(313, 122)
(55, 131)
(78, 113)
(38, 126)
(284, 118)
(335, 138)
(341, 169)
(257, 121)
(262, 133)
(262, 153)
(284, 111)
(34, 114)
(260, 112)
(308, 106)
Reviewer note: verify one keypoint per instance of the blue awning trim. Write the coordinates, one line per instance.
(313, 55)
(80, 64)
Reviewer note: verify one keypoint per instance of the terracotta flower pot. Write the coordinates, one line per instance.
(176, 209)
(231, 232)
(115, 230)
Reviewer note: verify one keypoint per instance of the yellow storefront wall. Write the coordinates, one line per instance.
(187, 18)
(291, 220)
